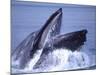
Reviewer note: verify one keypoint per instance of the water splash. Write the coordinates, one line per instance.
(34, 60)
(59, 59)
(63, 59)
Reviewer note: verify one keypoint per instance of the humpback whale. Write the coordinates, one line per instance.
(45, 40)
(36, 40)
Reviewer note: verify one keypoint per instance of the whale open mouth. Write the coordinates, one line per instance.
(69, 42)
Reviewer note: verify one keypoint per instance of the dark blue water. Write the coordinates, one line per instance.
(29, 17)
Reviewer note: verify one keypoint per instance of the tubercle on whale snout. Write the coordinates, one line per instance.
(82, 35)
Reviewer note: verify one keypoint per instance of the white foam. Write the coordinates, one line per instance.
(63, 59)
(69, 60)
(59, 59)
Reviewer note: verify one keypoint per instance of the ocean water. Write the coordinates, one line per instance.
(27, 17)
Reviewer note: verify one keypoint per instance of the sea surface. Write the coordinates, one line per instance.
(27, 17)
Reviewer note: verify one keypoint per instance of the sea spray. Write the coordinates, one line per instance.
(63, 59)
(58, 60)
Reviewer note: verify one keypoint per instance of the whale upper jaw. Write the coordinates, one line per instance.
(71, 41)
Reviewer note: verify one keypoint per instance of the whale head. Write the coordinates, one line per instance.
(71, 41)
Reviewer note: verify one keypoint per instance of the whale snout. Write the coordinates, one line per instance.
(84, 31)
(82, 35)
(59, 10)
(77, 39)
